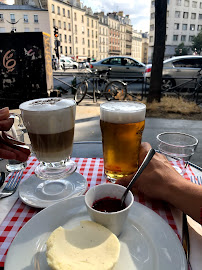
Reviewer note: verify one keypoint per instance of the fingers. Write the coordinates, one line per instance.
(5, 122)
(4, 113)
(8, 152)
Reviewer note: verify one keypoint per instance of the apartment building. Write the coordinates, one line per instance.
(184, 21)
(16, 18)
(145, 46)
(103, 36)
(136, 50)
(128, 39)
(92, 34)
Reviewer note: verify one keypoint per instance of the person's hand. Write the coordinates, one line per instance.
(157, 178)
(6, 151)
(5, 122)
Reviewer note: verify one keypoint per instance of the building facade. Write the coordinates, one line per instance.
(83, 34)
(136, 50)
(145, 46)
(25, 18)
(184, 21)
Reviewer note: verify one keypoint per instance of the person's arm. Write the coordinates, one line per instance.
(160, 181)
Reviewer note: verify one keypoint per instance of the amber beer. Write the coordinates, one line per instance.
(122, 125)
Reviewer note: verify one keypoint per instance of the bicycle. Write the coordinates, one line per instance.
(102, 87)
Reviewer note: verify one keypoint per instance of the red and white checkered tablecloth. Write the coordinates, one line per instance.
(92, 170)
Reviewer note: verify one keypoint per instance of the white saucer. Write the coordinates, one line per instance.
(40, 194)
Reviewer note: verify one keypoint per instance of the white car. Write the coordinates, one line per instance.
(177, 70)
(68, 63)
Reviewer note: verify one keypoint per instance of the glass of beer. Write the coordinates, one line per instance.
(50, 124)
(122, 124)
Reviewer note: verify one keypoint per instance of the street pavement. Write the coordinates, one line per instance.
(87, 127)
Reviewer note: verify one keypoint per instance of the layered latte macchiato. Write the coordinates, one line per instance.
(50, 125)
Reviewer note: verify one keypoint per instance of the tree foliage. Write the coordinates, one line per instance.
(197, 43)
(181, 50)
(159, 49)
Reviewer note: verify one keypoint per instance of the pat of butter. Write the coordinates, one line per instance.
(89, 246)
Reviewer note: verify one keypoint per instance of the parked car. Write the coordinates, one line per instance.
(177, 70)
(68, 63)
(122, 67)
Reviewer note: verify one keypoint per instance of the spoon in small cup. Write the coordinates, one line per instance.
(145, 162)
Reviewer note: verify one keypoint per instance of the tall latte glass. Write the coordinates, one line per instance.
(122, 125)
(50, 125)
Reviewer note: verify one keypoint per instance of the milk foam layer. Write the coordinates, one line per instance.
(48, 115)
(122, 112)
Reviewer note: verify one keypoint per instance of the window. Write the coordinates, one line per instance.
(83, 51)
(188, 63)
(87, 21)
(92, 23)
(36, 30)
(76, 50)
(65, 38)
(75, 27)
(177, 14)
(69, 26)
(175, 37)
(82, 18)
(193, 16)
(59, 24)
(88, 33)
(36, 19)
(60, 37)
(151, 38)
(58, 10)
(92, 43)
(200, 16)
(66, 50)
(184, 27)
(70, 39)
(26, 19)
(96, 34)
(76, 39)
(64, 25)
(199, 28)
(183, 38)
(92, 34)
(176, 26)
(88, 53)
(152, 27)
(63, 12)
(26, 29)
(96, 24)
(70, 50)
(186, 3)
(88, 43)
(1, 17)
(53, 22)
(60, 49)
(82, 29)
(191, 38)
(185, 15)
(83, 41)
(12, 16)
(178, 2)
(200, 5)
(153, 3)
(53, 9)
(75, 18)
(192, 27)
(68, 13)
(194, 4)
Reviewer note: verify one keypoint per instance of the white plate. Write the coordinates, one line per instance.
(147, 242)
(38, 193)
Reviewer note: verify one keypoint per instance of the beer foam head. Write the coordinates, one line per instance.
(48, 115)
(122, 112)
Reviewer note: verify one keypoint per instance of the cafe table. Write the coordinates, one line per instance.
(88, 155)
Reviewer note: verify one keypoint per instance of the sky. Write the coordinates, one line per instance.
(139, 10)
